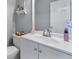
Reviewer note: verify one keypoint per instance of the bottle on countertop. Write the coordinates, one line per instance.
(66, 35)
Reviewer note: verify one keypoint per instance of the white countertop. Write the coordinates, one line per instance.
(55, 43)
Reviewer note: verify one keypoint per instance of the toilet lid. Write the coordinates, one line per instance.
(11, 50)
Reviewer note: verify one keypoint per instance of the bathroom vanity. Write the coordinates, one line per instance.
(36, 46)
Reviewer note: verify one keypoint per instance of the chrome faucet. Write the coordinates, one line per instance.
(47, 32)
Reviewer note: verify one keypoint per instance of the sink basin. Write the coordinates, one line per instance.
(47, 39)
(55, 38)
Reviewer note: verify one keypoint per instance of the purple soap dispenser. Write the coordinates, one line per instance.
(66, 35)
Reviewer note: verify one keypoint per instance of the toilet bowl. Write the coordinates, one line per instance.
(12, 52)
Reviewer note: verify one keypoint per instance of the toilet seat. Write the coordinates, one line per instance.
(12, 50)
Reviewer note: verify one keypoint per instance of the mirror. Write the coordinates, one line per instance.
(55, 13)
(60, 15)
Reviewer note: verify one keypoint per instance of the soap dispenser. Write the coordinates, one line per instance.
(66, 35)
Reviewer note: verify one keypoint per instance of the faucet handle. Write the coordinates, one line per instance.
(49, 29)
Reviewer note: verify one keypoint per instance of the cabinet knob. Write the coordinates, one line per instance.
(35, 49)
(40, 51)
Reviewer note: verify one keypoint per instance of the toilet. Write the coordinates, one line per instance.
(13, 51)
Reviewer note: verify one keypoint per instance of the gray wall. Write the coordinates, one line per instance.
(42, 14)
(10, 20)
(24, 22)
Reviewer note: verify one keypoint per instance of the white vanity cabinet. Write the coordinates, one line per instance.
(28, 49)
(32, 50)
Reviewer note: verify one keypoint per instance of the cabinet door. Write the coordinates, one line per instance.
(48, 53)
(28, 49)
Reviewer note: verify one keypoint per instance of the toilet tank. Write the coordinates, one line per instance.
(16, 40)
